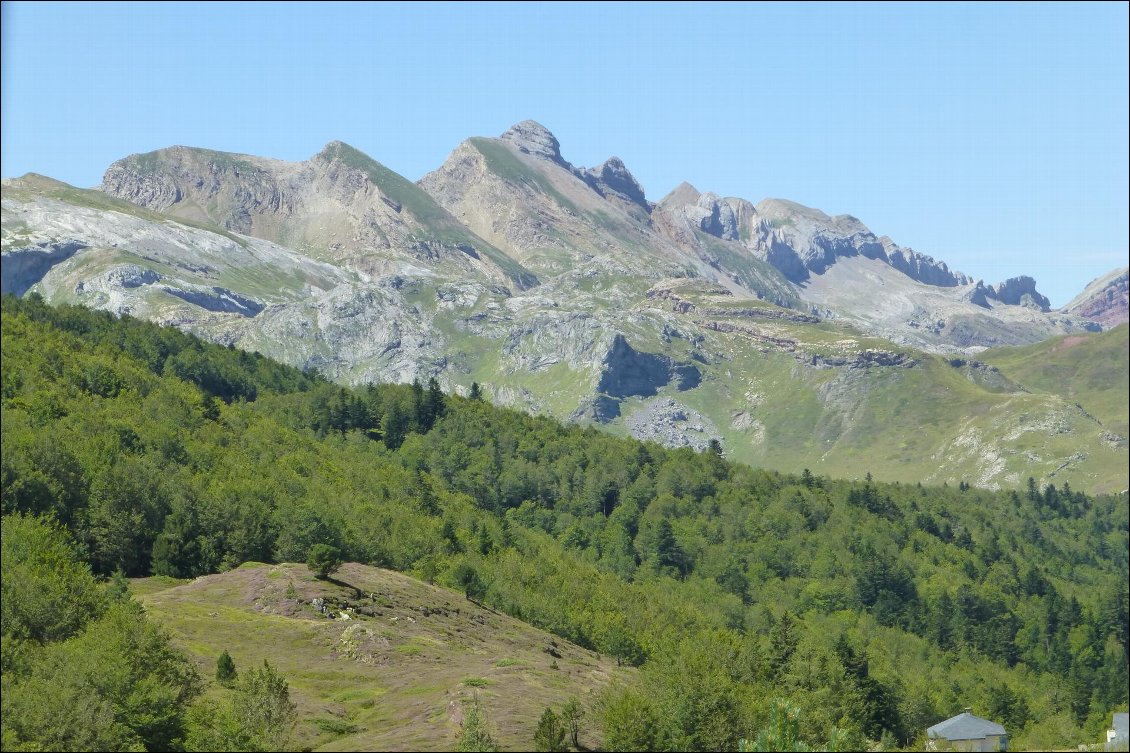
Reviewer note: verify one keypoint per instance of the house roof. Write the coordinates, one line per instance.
(1121, 722)
(965, 726)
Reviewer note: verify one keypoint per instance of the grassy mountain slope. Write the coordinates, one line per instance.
(396, 679)
(790, 392)
(1089, 370)
(340, 205)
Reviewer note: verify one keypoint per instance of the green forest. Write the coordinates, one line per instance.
(755, 604)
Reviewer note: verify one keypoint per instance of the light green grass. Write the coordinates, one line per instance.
(397, 691)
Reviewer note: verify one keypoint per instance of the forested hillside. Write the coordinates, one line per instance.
(875, 609)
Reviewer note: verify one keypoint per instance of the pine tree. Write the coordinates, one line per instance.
(434, 406)
(473, 734)
(225, 669)
(550, 735)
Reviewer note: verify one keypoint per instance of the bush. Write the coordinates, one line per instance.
(323, 560)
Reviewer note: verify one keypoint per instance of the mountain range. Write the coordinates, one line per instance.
(794, 338)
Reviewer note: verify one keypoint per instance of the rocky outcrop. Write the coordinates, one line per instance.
(864, 360)
(216, 299)
(125, 277)
(1020, 291)
(23, 266)
(602, 409)
(628, 372)
(681, 305)
(1105, 300)
(714, 216)
(1017, 291)
(773, 343)
(984, 375)
(236, 185)
(340, 202)
(614, 179)
(531, 137)
(758, 312)
(921, 267)
(672, 424)
(798, 240)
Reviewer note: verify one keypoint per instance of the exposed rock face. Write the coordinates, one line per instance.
(865, 360)
(340, 202)
(921, 267)
(531, 137)
(614, 178)
(1105, 300)
(602, 409)
(628, 372)
(814, 238)
(1020, 291)
(797, 240)
(24, 266)
(236, 185)
(214, 299)
(714, 216)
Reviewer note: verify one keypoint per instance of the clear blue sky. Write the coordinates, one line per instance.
(993, 137)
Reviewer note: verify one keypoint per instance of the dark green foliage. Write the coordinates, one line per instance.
(550, 734)
(669, 556)
(119, 685)
(255, 715)
(48, 592)
(225, 669)
(323, 560)
(467, 578)
(727, 585)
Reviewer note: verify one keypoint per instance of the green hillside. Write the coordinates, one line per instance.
(875, 609)
(398, 674)
(1086, 369)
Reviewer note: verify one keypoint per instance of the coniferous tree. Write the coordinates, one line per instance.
(473, 732)
(225, 669)
(550, 734)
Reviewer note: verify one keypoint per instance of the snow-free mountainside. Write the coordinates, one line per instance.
(795, 339)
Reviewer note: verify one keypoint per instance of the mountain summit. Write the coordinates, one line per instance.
(531, 137)
(795, 338)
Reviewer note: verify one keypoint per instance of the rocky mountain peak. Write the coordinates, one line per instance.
(333, 150)
(713, 215)
(1021, 291)
(613, 176)
(531, 137)
(680, 196)
(339, 150)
